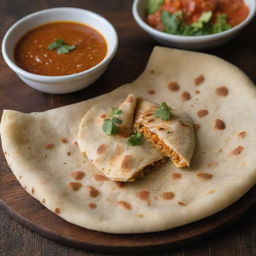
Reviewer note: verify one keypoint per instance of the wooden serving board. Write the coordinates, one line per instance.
(28, 211)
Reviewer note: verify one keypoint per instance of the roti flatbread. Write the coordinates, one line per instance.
(42, 151)
(173, 138)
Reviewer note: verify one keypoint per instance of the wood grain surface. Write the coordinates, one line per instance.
(134, 49)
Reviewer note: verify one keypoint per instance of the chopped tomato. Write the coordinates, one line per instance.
(236, 10)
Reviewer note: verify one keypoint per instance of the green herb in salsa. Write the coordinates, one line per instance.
(195, 17)
(174, 24)
(153, 5)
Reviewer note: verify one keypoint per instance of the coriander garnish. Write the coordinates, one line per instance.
(174, 24)
(109, 126)
(163, 111)
(135, 139)
(115, 111)
(61, 46)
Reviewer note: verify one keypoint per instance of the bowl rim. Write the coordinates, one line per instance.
(44, 78)
(191, 39)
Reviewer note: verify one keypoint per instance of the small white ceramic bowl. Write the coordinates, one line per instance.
(66, 83)
(189, 42)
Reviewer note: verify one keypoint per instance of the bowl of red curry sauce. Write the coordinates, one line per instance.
(193, 24)
(60, 50)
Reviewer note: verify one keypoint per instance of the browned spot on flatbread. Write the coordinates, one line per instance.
(212, 164)
(199, 80)
(131, 99)
(64, 140)
(182, 203)
(103, 116)
(75, 185)
(242, 134)
(75, 142)
(176, 176)
(126, 163)
(124, 132)
(211, 191)
(101, 149)
(237, 151)
(185, 96)
(161, 129)
(197, 127)
(92, 205)
(32, 190)
(43, 201)
(140, 215)
(120, 184)
(100, 177)
(151, 92)
(204, 175)
(118, 151)
(151, 120)
(78, 175)
(125, 205)
(20, 177)
(202, 113)
(49, 146)
(219, 124)
(57, 211)
(167, 195)
(173, 86)
(143, 195)
(93, 191)
(152, 71)
(197, 92)
(222, 91)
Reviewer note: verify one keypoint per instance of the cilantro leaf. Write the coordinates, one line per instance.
(175, 24)
(163, 111)
(153, 5)
(65, 49)
(171, 22)
(56, 44)
(116, 120)
(221, 24)
(198, 28)
(61, 46)
(109, 127)
(205, 18)
(115, 111)
(135, 139)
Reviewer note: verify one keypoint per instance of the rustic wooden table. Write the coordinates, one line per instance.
(134, 48)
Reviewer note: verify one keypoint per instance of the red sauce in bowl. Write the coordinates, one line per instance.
(32, 54)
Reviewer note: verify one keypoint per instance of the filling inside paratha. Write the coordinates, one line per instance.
(171, 134)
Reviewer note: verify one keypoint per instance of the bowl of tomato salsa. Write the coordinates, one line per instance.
(60, 50)
(193, 24)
